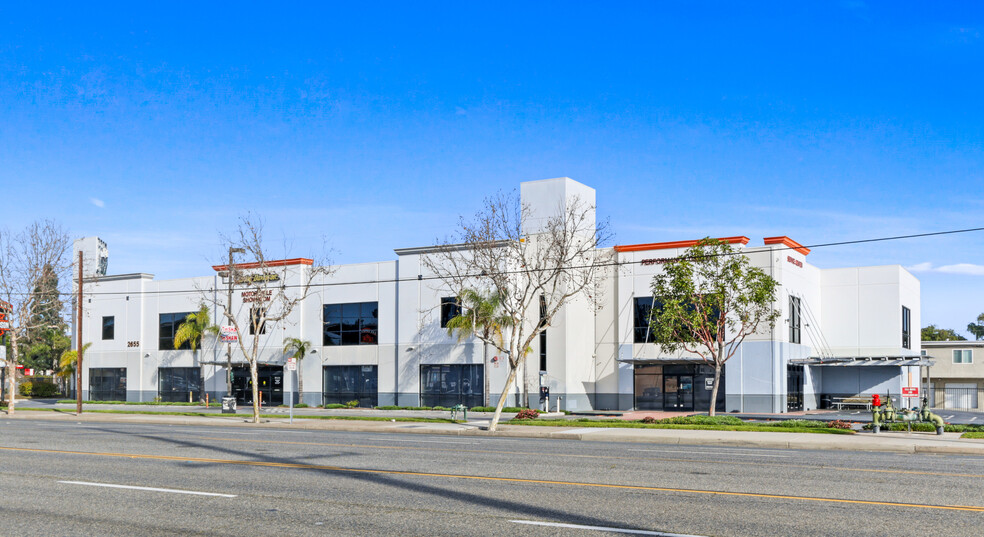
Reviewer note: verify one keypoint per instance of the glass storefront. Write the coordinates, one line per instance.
(450, 385)
(270, 384)
(344, 383)
(676, 387)
(107, 384)
(179, 384)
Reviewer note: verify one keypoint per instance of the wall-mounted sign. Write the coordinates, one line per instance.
(262, 295)
(659, 261)
(292, 364)
(708, 384)
(228, 334)
(794, 261)
(256, 278)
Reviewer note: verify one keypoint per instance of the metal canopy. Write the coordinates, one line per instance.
(866, 361)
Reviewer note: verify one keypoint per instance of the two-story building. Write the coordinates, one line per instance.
(379, 335)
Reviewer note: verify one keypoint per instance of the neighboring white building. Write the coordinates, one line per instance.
(378, 335)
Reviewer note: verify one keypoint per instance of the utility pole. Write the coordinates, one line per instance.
(229, 311)
(78, 359)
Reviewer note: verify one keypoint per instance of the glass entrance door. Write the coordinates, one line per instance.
(794, 388)
(271, 385)
(678, 392)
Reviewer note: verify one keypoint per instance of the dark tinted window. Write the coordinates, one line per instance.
(179, 384)
(449, 385)
(107, 384)
(356, 323)
(449, 310)
(344, 383)
(256, 320)
(643, 311)
(795, 323)
(906, 326)
(169, 323)
(109, 327)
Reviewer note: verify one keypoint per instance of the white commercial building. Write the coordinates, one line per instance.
(378, 336)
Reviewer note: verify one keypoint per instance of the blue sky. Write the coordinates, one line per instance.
(155, 126)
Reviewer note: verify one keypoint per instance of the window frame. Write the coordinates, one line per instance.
(450, 308)
(795, 319)
(253, 311)
(174, 322)
(969, 353)
(109, 328)
(906, 328)
(349, 321)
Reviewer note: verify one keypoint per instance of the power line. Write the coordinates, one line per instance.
(519, 271)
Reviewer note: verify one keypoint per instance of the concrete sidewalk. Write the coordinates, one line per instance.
(893, 442)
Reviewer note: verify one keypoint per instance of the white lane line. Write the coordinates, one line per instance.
(601, 528)
(176, 491)
(740, 454)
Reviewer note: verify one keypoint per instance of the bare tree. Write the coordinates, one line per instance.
(271, 290)
(534, 266)
(37, 252)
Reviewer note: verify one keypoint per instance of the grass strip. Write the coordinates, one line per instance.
(218, 415)
(154, 403)
(697, 427)
(974, 434)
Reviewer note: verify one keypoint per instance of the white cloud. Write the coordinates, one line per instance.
(967, 269)
(97, 202)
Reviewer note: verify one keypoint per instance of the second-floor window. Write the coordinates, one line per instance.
(963, 356)
(169, 323)
(356, 323)
(256, 321)
(450, 308)
(109, 327)
(906, 328)
(795, 323)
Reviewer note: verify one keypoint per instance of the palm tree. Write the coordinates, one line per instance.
(66, 365)
(191, 331)
(481, 317)
(297, 348)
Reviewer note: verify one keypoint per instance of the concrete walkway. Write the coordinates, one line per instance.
(895, 442)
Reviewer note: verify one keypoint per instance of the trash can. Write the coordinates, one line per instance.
(228, 405)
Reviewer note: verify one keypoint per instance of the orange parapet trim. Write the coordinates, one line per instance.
(276, 263)
(786, 241)
(675, 244)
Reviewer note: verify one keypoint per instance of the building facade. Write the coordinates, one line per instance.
(379, 336)
(956, 380)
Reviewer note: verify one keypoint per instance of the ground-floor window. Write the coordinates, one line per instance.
(107, 384)
(450, 385)
(345, 383)
(270, 384)
(179, 384)
(676, 387)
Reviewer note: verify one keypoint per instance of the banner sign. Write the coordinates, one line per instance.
(229, 334)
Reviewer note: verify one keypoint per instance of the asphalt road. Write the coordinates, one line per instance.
(54, 479)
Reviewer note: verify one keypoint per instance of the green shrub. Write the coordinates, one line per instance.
(301, 405)
(26, 388)
(335, 405)
(44, 388)
(444, 408)
(703, 420)
(352, 404)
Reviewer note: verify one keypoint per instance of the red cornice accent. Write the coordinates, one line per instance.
(786, 241)
(675, 244)
(277, 263)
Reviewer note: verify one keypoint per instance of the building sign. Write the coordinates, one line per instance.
(659, 261)
(257, 278)
(229, 334)
(262, 295)
(794, 261)
(910, 391)
(292, 364)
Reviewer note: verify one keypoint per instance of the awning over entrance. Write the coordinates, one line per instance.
(866, 361)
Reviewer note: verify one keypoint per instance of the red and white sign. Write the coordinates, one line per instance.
(292, 364)
(229, 334)
(910, 391)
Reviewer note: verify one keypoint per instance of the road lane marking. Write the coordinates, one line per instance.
(702, 452)
(340, 469)
(601, 528)
(152, 489)
(609, 457)
(431, 441)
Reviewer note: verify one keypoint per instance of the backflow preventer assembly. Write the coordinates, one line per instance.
(885, 413)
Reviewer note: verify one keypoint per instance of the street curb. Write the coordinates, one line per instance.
(768, 440)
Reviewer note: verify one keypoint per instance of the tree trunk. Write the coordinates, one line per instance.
(502, 399)
(201, 386)
(300, 380)
(714, 389)
(12, 374)
(256, 391)
(485, 366)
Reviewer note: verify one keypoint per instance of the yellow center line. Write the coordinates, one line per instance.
(977, 509)
(604, 457)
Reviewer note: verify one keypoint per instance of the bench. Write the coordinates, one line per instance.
(459, 408)
(860, 401)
